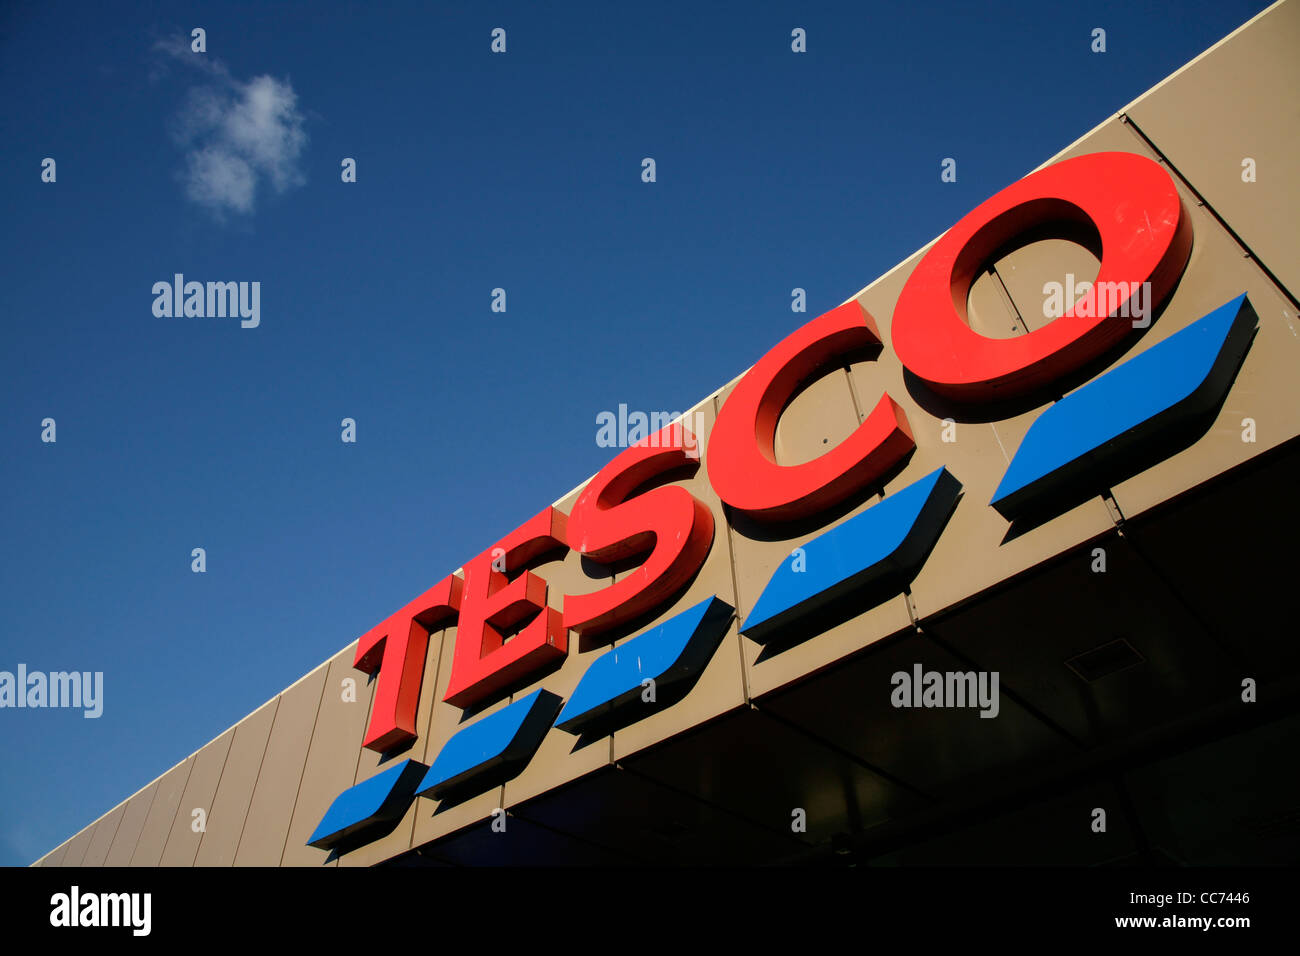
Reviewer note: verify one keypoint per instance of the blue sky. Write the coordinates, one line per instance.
(475, 171)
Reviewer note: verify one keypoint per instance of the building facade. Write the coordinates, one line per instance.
(987, 565)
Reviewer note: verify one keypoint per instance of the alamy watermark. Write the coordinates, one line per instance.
(1131, 300)
(55, 689)
(922, 688)
(213, 300)
(75, 908)
(623, 429)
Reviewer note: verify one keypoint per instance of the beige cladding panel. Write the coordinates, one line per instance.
(229, 809)
(331, 758)
(79, 844)
(183, 839)
(55, 856)
(818, 418)
(166, 803)
(132, 825)
(97, 852)
(1240, 101)
(987, 310)
(261, 842)
(1025, 272)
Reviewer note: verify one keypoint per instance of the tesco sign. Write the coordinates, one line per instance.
(1146, 239)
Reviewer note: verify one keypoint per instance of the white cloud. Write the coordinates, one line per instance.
(236, 135)
(220, 180)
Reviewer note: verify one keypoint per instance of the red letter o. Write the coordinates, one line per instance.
(1146, 236)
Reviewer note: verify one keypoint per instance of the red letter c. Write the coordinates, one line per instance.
(741, 458)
